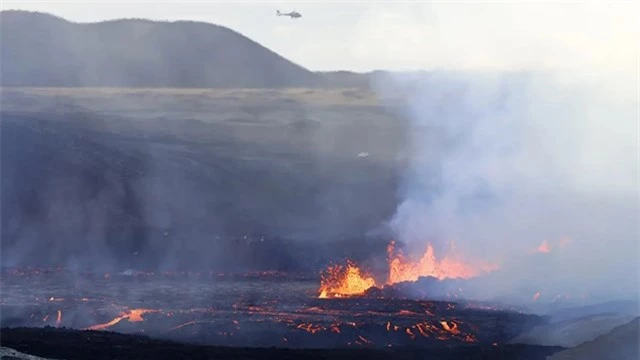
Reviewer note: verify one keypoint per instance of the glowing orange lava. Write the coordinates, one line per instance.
(536, 296)
(349, 280)
(410, 333)
(192, 322)
(364, 340)
(403, 269)
(59, 318)
(133, 315)
(452, 329)
(311, 328)
(544, 247)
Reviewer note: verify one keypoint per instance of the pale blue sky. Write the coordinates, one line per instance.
(403, 35)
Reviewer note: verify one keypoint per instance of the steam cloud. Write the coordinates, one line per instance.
(502, 163)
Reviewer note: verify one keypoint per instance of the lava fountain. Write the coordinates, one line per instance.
(450, 267)
(341, 281)
(351, 280)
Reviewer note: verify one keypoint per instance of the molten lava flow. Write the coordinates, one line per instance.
(544, 247)
(422, 329)
(310, 328)
(403, 269)
(133, 315)
(349, 280)
(59, 318)
(470, 338)
(106, 325)
(390, 326)
(452, 329)
(410, 333)
(192, 322)
(536, 296)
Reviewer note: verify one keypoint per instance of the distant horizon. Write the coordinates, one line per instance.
(364, 73)
(194, 21)
(402, 37)
(210, 23)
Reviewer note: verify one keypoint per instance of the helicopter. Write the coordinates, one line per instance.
(293, 14)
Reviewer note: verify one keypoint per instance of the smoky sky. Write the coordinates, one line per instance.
(502, 162)
(404, 35)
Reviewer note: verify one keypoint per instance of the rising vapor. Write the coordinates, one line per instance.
(504, 164)
(524, 149)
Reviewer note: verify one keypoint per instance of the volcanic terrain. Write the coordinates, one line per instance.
(188, 193)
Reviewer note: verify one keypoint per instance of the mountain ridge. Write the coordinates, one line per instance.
(41, 49)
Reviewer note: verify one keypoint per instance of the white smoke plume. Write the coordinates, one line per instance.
(505, 162)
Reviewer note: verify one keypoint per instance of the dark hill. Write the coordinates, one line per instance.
(43, 50)
(61, 343)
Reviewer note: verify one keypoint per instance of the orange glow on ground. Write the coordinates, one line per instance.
(133, 315)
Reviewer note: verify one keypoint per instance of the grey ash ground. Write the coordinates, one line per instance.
(135, 315)
(73, 344)
(214, 210)
(253, 309)
(112, 179)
